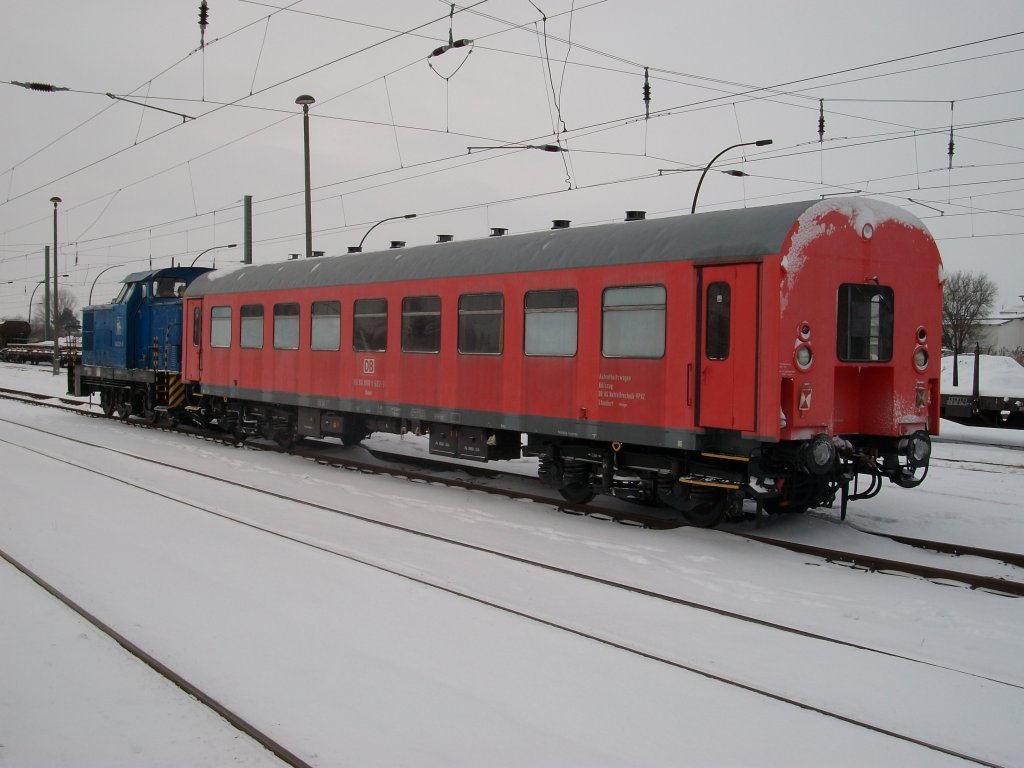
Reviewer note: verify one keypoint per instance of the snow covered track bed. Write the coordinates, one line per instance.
(170, 675)
(344, 662)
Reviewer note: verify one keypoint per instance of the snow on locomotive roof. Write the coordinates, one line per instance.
(713, 236)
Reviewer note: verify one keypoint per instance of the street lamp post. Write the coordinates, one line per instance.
(112, 266)
(32, 298)
(56, 300)
(359, 248)
(305, 101)
(758, 143)
(213, 248)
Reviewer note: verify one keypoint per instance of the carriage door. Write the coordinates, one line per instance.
(727, 312)
(192, 357)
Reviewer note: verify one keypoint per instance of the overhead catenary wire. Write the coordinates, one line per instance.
(392, 125)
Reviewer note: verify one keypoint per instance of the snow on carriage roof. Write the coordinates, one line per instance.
(712, 236)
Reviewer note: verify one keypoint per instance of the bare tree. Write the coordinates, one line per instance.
(967, 298)
(67, 305)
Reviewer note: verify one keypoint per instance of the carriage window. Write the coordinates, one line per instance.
(481, 317)
(633, 323)
(286, 326)
(325, 325)
(717, 321)
(865, 321)
(220, 327)
(370, 325)
(197, 324)
(551, 322)
(252, 326)
(421, 324)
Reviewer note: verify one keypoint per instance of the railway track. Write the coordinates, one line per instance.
(192, 689)
(626, 513)
(412, 573)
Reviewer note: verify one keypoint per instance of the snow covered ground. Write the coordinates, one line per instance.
(292, 614)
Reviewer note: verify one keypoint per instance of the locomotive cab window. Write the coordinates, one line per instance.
(481, 321)
(325, 325)
(286, 326)
(126, 291)
(864, 322)
(633, 322)
(421, 324)
(168, 288)
(370, 325)
(220, 327)
(251, 326)
(551, 322)
(717, 315)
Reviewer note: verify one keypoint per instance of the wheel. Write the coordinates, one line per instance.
(707, 511)
(577, 493)
(106, 403)
(353, 432)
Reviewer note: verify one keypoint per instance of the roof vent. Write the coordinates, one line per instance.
(354, 249)
(560, 224)
(317, 254)
(292, 256)
(398, 243)
(445, 238)
(636, 215)
(498, 231)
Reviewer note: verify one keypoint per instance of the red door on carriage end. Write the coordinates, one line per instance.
(191, 344)
(727, 326)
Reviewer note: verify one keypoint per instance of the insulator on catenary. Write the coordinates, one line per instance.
(204, 18)
(647, 95)
(950, 152)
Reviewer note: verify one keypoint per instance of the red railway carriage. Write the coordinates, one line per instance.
(782, 354)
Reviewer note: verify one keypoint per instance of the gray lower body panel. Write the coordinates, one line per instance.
(564, 428)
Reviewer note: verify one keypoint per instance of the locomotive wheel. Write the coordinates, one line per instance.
(106, 403)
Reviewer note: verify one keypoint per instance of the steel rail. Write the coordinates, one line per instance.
(236, 720)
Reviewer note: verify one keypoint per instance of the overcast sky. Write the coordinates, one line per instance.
(390, 128)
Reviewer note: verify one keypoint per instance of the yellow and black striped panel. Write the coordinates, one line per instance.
(175, 391)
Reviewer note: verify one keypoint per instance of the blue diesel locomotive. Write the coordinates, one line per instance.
(131, 347)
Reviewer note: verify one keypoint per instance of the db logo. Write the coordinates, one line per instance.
(368, 365)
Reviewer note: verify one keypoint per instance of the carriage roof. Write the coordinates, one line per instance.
(706, 237)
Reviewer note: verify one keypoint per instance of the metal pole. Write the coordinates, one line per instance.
(305, 101)
(112, 266)
(56, 294)
(46, 282)
(758, 143)
(359, 247)
(46, 296)
(247, 230)
(213, 248)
